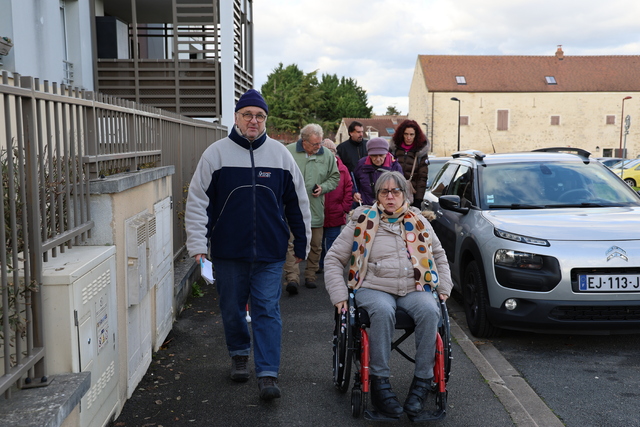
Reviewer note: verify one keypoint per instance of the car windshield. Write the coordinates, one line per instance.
(536, 185)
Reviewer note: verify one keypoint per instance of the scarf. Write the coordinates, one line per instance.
(407, 148)
(414, 234)
(388, 160)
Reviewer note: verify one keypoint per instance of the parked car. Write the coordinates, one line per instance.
(609, 161)
(629, 172)
(539, 241)
(435, 164)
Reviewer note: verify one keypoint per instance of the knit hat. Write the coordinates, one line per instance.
(252, 98)
(329, 145)
(377, 146)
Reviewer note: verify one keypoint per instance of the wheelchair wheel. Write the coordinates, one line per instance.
(342, 352)
(357, 402)
(445, 333)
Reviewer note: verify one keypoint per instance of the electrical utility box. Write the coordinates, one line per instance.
(79, 305)
(148, 246)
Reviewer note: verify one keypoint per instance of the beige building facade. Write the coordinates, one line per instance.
(522, 103)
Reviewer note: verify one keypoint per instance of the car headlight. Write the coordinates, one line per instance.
(509, 258)
(520, 238)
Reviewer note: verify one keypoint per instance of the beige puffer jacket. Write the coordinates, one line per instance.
(388, 267)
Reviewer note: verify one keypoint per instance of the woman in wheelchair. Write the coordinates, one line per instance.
(394, 260)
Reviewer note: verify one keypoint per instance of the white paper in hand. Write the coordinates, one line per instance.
(206, 270)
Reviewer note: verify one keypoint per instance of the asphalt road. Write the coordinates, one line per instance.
(188, 381)
(586, 380)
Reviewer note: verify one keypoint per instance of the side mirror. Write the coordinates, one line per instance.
(452, 203)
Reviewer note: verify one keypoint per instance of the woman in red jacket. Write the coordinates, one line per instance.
(336, 205)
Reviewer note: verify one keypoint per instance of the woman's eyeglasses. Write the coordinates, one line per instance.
(248, 117)
(396, 192)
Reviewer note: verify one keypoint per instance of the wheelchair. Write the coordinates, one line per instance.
(351, 347)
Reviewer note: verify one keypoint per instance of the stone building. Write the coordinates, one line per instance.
(515, 103)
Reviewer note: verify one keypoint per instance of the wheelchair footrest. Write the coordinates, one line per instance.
(377, 416)
(427, 416)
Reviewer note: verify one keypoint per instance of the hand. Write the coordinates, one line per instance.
(298, 260)
(317, 191)
(341, 306)
(199, 256)
(443, 297)
(357, 197)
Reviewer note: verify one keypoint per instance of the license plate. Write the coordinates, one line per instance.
(609, 283)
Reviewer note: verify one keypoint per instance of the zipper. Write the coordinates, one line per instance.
(255, 198)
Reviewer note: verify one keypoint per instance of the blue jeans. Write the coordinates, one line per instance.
(329, 236)
(258, 283)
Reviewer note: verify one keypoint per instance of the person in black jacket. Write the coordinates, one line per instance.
(411, 147)
(354, 148)
(246, 197)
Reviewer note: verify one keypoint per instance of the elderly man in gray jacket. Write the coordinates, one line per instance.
(321, 175)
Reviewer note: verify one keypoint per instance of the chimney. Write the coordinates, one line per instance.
(560, 53)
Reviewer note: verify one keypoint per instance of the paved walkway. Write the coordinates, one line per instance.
(188, 382)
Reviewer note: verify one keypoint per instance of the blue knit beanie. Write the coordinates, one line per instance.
(252, 98)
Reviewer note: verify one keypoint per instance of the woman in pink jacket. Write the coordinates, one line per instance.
(336, 205)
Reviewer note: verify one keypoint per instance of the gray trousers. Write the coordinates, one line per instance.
(381, 306)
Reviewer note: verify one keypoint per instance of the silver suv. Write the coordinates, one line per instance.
(540, 241)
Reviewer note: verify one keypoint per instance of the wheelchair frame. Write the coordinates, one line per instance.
(351, 346)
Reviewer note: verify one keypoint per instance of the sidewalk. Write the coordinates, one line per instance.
(188, 382)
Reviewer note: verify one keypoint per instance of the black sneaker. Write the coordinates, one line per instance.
(292, 288)
(420, 388)
(240, 368)
(320, 270)
(268, 388)
(311, 284)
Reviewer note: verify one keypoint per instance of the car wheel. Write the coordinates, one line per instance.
(476, 302)
(630, 181)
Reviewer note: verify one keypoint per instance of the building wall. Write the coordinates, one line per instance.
(419, 100)
(582, 120)
(39, 40)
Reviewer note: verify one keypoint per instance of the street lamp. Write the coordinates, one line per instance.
(456, 99)
(621, 122)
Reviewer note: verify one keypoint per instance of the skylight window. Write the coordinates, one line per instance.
(390, 131)
(461, 80)
(551, 80)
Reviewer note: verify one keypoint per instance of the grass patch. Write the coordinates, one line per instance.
(196, 291)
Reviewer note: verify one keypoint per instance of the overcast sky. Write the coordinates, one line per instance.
(377, 42)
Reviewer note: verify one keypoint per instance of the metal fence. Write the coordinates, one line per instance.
(53, 141)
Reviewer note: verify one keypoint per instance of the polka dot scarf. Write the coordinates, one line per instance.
(414, 234)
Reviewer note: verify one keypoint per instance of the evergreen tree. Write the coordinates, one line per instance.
(392, 111)
(296, 98)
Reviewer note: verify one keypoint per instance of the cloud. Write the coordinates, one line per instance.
(376, 42)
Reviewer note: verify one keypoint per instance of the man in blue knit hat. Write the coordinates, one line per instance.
(243, 188)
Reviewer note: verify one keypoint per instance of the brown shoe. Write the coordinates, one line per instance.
(311, 284)
(240, 368)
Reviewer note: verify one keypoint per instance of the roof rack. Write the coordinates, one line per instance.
(477, 154)
(570, 150)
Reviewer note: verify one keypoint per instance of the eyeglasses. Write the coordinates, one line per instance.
(396, 192)
(248, 117)
(313, 144)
